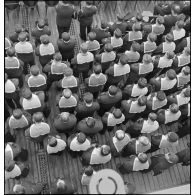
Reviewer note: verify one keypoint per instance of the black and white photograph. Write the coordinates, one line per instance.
(97, 97)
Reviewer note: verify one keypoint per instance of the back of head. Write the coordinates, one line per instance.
(89, 171)
(64, 116)
(17, 113)
(92, 36)
(169, 37)
(22, 36)
(136, 27)
(187, 92)
(172, 158)
(147, 58)
(180, 24)
(52, 141)
(84, 48)
(97, 69)
(144, 140)
(170, 55)
(112, 90)
(186, 70)
(171, 74)
(175, 9)
(65, 36)
(81, 138)
(26, 93)
(123, 59)
(18, 28)
(174, 108)
(41, 23)
(161, 95)
(160, 20)
(139, 17)
(34, 70)
(187, 51)
(108, 47)
(67, 93)
(120, 134)
(38, 116)
(90, 122)
(88, 97)
(172, 137)
(142, 100)
(19, 189)
(135, 47)
(120, 18)
(105, 150)
(44, 39)
(57, 57)
(9, 165)
(117, 33)
(152, 116)
(11, 51)
(142, 157)
(117, 113)
(104, 25)
(68, 72)
(142, 82)
(61, 185)
(152, 37)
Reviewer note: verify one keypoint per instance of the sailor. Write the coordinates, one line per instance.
(106, 57)
(156, 100)
(31, 189)
(92, 43)
(55, 145)
(7, 45)
(184, 156)
(185, 42)
(38, 129)
(56, 69)
(167, 46)
(62, 186)
(118, 72)
(87, 175)
(66, 46)
(170, 115)
(32, 102)
(83, 61)
(14, 152)
(45, 50)
(96, 81)
(65, 123)
(24, 51)
(87, 107)
(110, 98)
(136, 90)
(96, 155)
(150, 45)
(161, 162)
(67, 101)
(65, 12)
(134, 163)
(118, 142)
(112, 119)
(12, 96)
(19, 120)
(136, 146)
(13, 65)
(40, 29)
(15, 170)
(14, 36)
(101, 32)
(141, 126)
(69, 81)
(36, 81)
(90, 126)
(180, 98)
(164, 82)
(78, 143)
(183, 59)
(133, 107)
(142, 69)
(133, 54)
(85, 17)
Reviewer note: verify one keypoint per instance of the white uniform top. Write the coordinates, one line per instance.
(46, 49)
(188, 41)
(14, 173)
(149, 47)
(182, 79)
(158, 104)
(58, 68)
(145, 68)
(112, 121)
(164, 62)
(167, 84)
(170, 117)
(25, 47)
(141, 148)
(120, 70)
(98, 79)
(158, 29)
(135, 108)
(9, 86)
(81, 59)
(178, 34)
(69, 82)
(133, 36)
(18, 123)
(108, 56)
(149, 126)
(138, 166)
(183, 60)
(34, 102)
(76, 146)
(61, 145)
(67, 102)
(93, 45)
(137, 91)
(164, 143)
(39, 129)
(12, 62)
(116, 42)
(36, 81)
(97, 158)
(8, 148)
(168, 47)
(120, 144)
(182, 100)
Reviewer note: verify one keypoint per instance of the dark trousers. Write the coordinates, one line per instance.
(14, 102)
(83, 30)
(62, 29)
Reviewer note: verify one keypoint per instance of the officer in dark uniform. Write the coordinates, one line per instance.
(66, 46)
(85, 17)
(65, 11)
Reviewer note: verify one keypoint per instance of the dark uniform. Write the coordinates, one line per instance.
(93, 44)
(45, 50)
(40, 29)
(185, 42)
(66, 46)
(85, 17)
(65, 12)
(184, 156)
